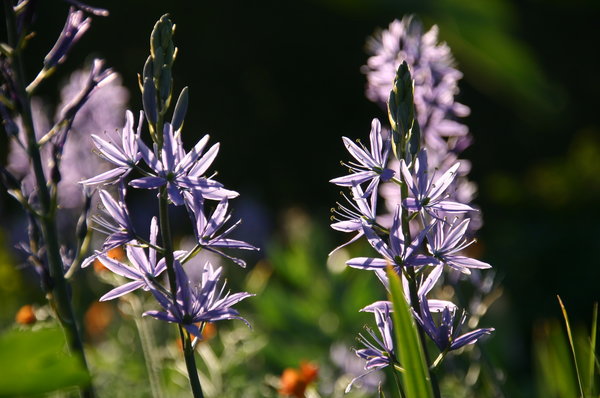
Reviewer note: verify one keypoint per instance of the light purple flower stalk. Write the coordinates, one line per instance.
(435, 78)
(193, 304)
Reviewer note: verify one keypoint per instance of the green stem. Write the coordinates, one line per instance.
(148, 344)
(59, 295)
(190, 363)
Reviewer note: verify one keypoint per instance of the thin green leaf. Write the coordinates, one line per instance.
(592, 355)
(416, 379)
(570, 335)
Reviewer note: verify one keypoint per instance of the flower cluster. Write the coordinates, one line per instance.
(435, 87)
(179, 178)
(426, 232)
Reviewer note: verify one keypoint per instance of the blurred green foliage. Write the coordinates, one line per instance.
(36, 362)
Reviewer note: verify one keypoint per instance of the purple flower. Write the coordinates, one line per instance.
(371, 164)
(75, 26)
(118, 234)
(143, 267)
(397, 253)
(435, 80)
(430, 196)
(207, 230)
(205, 302)
(380, 352)
(447, 335)
(181, 171)
(445, 240)
(361, 210)
(125, 157)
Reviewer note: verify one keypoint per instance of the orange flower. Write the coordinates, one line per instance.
(116, 254)
(293, 382)
(97, 318)
(25, 315)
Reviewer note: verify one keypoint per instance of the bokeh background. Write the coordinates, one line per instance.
(278, 83)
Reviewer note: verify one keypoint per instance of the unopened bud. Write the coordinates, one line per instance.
(149, 101)
(180, 109)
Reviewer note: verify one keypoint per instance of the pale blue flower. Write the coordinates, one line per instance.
(204, 302)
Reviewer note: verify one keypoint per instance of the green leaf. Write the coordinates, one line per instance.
(592, 353)
(416, 379)
(36, 362)
(570, 335)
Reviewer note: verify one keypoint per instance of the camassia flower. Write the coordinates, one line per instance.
(371, 164)
(380, 352)
(445, 240)
(429, 196)
(181, 171)
(447, 335)
(205, 302)
(124, 157)
(397, 253)
(143, 267)
(118, 234)
(361, 210)
(207, 229)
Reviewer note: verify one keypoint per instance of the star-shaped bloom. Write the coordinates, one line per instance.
(371, 164)
(179, 170)
(430, 196)
(446, 240)
(351, 219)
(124, 157)
(447, 335)
(397, 253)
(205, 302)
(120, 230)
(207, 230)
(143, 267)
(380, 352)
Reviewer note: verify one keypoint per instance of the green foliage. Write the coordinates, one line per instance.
(566, 363)
(36, 362)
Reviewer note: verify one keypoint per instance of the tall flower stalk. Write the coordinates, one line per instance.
(38, 190)
(179, 179)
(427, 229)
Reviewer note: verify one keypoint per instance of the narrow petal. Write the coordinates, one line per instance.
(367, 263)
(148, 182)
(121, 290)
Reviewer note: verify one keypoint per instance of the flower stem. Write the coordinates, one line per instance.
(147, 340)
(59, 295)
(190, 363)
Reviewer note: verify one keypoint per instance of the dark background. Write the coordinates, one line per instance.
(278, 83)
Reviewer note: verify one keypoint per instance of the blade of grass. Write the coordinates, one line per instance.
(592, 357)
(416, 379)
(570, 335)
